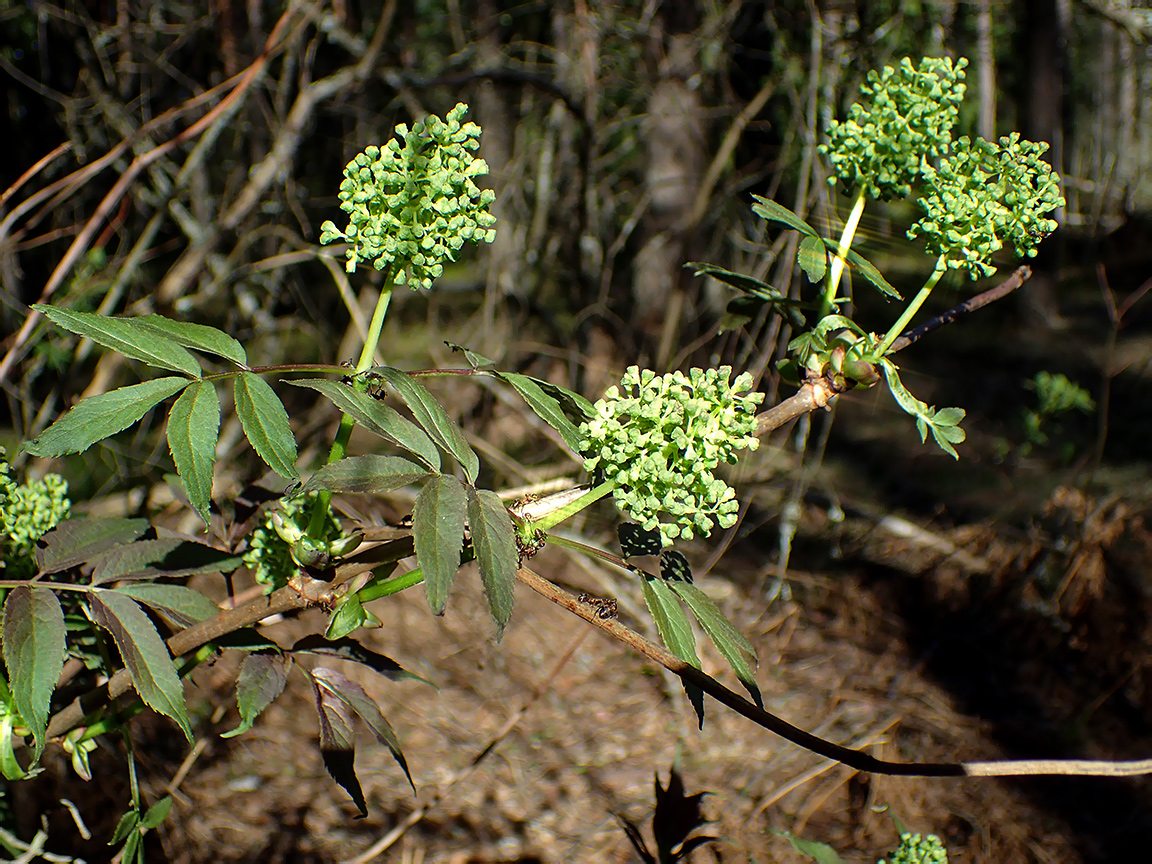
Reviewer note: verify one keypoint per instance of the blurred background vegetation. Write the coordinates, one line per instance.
(179, 157)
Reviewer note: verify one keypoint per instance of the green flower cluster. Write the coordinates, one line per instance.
(413, 205)
(658, 438)
(915, 849)
(27, 512)
(906, 117)
(985, 195)
(269, 554)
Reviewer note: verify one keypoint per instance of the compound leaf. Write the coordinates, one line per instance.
(730, 641)
(676, 631)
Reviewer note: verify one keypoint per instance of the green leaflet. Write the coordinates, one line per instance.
(193, 429)
(438, 533)
(135, 338)
(266, 424)
(730, 641)
(494, 540)
(367, 475)
(378, 418)
(200, 337)
(98, 417)
(34, 654)
(262, 678)
(144, 654)
(676, 631)
(430, 414)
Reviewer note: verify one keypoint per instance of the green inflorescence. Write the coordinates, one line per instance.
(985, 195)
(413, 205)
(269, 554)
(917, 849)
(27, 512)
(659, 438)
(906, 117)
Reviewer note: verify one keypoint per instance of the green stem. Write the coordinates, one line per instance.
(340, 445)
(391, 586)
(551, 520)
(838, 262)
(913, 307)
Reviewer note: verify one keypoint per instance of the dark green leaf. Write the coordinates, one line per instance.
(144, 654)
(378, 418)
(350, 649)
(777, 213)
(676, 631)
(367, 475)
(359, 701)
(132, 337)
(864, 268)
(347, 618)
(98, 417)
(193, 428)
(812, 258)
(674, 567)
(125, 827)
(33, 628)
(546, 407)
(635, 540)
(494, 539)
(730, 641)
(266, 424)
(571, 403)
(262, 678)
(157, 813)
(198, 336)
(430, 414)
(337, 738)
(78, 541)
(172, 557)
(178, 602)
(438, 533)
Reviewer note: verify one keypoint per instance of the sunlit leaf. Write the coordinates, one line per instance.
(98, 417)
(193, 428)
(812, 258)
(200, 337)
(494, 539)
(781, 215)
(731, 643)
(132, 337)
(347, 618)
(865, 268)
(144, 654)
(438, 533)
(378, 418)
(430, 414)
(265, 423)
(545, 406)
(676, 631)
(33, 629)
(262, 678)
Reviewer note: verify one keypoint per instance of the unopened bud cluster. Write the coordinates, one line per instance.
(659, 438)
